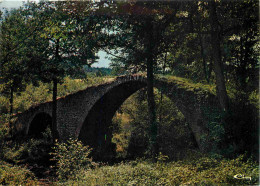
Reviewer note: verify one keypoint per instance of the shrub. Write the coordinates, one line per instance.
(242, 129)
(15, 175)
(34, 151)
(71, 157)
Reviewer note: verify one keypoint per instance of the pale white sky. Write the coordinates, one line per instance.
(9, 4)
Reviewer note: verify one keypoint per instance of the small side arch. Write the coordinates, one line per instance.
(39, 124)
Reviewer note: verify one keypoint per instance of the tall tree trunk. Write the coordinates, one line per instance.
(11, 99)
(210, 65)
(203, 58)
(151, 105)
(161, 102)
(54, 110)
(215, 42)
(54, 97)
(150, 86)
(11, 108)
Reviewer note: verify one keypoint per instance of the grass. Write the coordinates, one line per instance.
(189, 85)
(203, 171)
(195, 170)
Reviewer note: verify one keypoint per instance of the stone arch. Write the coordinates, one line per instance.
(95, 130)
(39, 124)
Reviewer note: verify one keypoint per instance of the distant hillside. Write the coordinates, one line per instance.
(99, 71)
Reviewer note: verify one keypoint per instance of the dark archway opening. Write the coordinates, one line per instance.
(39, 145)
(39, 124)
(96, 130)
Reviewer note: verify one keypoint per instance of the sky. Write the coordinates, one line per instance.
(9, 4)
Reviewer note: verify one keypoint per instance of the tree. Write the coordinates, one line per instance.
(140, 37)
(47, 41)
(217, 34)
(218, 65)
(69, 45)
(240, 36)
(13, 36)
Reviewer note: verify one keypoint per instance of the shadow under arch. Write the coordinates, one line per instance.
(39, 124)
(96, 131)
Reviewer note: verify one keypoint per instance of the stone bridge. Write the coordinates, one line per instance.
(87, 114)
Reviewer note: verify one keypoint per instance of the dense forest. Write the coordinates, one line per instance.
(47, 50)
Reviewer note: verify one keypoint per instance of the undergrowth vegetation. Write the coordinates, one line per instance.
(71, 157)
(202, 171)
(15, 175)
(131, 133)
(33, 95)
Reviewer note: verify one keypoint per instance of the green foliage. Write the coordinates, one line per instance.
(15, 175)
(58, 23)
(174, 137)
(71, 157)
(132, 138)
(4, 103)
(70, 85)
(242, 129)
(13, 32)
(234, 132)
(4, 134)
(28, 150)
(254, 99)
(189, 84)
(122, 142)
(33, 95)
(22, 152)
(211, 140)
(214, 171)
(202, 171)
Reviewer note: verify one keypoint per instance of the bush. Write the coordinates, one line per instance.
(242, 129)
(35, 151)
(14, 175)
(71, 157)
